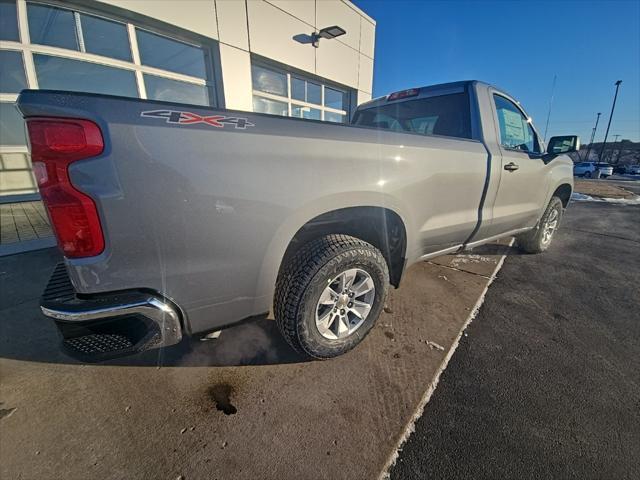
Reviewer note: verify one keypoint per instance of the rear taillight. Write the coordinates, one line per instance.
(55, 144)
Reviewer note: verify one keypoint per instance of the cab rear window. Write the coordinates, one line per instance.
(447, 115)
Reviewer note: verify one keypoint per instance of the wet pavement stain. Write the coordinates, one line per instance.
(221, 394)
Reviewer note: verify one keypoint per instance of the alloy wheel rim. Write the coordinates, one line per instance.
(345, 304)
(550, 226)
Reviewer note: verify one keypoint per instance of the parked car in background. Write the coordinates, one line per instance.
(587, 169)
(579, 169)
(606, 169)
(633, 170)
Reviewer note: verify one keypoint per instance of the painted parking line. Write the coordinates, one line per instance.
(409, 429)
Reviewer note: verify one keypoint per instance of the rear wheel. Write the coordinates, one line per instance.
(330, 294)
(539, 239)
(587, 174)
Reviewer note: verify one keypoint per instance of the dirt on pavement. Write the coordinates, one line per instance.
(601, 188)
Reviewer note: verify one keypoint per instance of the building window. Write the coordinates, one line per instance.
(11, 125)
(78, 51)
(59, 73)
(55, 47)
(292, 95)
(159, 88)
(166, 53)
(9, 21)
(105, 37)
(12, 76)
(52, 26)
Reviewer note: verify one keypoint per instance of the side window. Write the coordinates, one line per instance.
(516, 131)
(447, 115)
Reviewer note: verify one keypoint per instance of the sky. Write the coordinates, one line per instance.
(519, 46)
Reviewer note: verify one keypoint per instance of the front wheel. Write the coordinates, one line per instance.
(330, 294)
(587, 174)
(539, 239)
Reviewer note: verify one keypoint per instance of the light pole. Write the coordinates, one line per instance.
(593, 135)
(615, 97)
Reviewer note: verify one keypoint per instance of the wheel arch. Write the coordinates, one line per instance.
(297, 227)
(381, 227)
(563, 192)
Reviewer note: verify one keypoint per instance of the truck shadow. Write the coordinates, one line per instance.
(252, 342)
(33, 338)
(494, 249)
(27, 335)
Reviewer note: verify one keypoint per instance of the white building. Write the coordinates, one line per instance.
(253, 55)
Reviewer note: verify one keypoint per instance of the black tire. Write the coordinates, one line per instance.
(533, 240)
(587, 175)
(306, 275)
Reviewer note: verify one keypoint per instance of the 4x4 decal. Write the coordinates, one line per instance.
(189, 118)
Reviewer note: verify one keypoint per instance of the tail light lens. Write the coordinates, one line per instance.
(55, 144)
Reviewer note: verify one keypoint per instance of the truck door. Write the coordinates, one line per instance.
(522, 187)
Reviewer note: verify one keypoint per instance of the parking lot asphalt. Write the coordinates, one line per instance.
(547, 382)
(242, 406)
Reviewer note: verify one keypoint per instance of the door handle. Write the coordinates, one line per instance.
(511, 167)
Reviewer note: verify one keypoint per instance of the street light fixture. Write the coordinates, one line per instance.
(328, 33)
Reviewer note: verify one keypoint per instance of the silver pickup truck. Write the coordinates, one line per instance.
(176, 219)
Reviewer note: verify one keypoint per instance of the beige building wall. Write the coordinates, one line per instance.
(267, 28)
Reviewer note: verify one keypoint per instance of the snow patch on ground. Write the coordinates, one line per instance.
(469, 258)
(581, 197)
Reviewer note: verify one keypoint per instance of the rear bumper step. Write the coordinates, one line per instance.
(110, 325)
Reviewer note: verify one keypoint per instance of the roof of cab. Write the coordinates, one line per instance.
(429, 90)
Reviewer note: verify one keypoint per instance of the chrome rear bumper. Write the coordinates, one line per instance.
(155, 309)
(109, 325)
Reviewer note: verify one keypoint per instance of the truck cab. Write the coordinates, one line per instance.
(517, 180)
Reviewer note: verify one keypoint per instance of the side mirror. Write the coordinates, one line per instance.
(564, 144)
